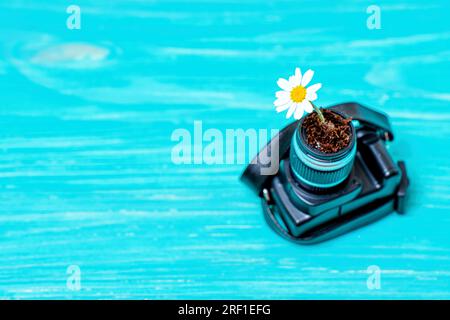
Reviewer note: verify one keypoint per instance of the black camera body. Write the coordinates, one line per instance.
(374, 185)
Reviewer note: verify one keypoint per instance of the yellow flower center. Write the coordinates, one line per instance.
(298, 94)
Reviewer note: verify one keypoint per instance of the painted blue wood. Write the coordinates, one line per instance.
(86, 118)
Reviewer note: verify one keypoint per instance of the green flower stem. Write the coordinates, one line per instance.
(319, 113)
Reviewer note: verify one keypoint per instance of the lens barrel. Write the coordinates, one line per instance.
(316, 169)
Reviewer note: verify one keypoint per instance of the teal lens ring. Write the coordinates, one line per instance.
(316, 169)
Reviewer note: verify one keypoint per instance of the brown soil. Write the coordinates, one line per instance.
(329, 137)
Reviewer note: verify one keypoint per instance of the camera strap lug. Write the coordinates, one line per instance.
(400, 200)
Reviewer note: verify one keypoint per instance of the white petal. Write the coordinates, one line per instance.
(311, 91)
(298, 76)
(299, 112)
(307, 106)
(281, 101)
(314, 88)
(284, 84)
(283, 107)
(282, 94)
(307, 77)
(291, 110)
(292, 80)
(311, 96)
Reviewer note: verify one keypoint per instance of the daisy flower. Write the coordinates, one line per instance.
(296, 97)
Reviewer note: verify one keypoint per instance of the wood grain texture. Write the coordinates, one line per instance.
(86, 118)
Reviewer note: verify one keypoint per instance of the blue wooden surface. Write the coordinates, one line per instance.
(86, 176)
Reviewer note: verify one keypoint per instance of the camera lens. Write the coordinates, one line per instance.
(318, 170)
